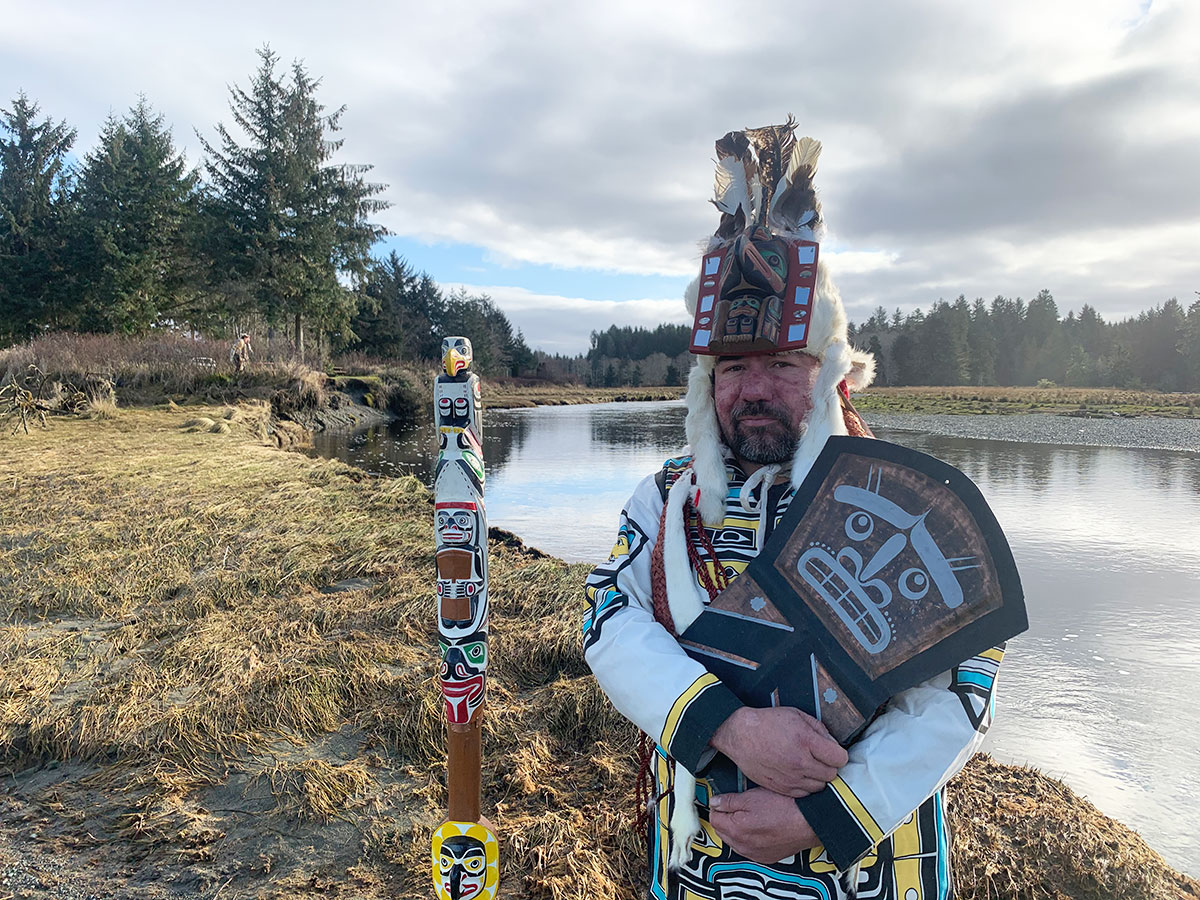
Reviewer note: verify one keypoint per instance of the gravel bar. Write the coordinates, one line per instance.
(1142, 432)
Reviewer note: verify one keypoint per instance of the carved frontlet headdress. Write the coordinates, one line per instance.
(763, 288)
(759, 276)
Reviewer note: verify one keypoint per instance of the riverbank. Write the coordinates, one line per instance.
(1143, 432)
(518, 395)
(221, 678)
(1006, 401)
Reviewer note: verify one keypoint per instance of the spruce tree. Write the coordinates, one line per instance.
(288, 225)
(34, 198)
(398, 312)
(134, 206)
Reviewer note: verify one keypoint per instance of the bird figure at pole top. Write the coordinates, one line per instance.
(465, 851)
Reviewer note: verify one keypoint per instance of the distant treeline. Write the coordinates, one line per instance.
(626, 355)
(1006, 342)
(1011, 342)
(268, 234)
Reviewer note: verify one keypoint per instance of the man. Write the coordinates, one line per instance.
(770, 385)
(239, 354)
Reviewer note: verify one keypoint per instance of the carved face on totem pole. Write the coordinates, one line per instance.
(460, 580)
(459, 428)
(464, 666)
(456, 355)
(465, 862)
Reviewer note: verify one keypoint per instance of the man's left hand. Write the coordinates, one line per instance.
(761, 825)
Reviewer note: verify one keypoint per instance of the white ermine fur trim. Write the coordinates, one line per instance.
(850, 881)
(862, 370)
(704, 436)
(826, 418)
(828, 318)
(683, 592)
(685, 823)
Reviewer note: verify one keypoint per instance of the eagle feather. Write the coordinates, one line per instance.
(795, 203)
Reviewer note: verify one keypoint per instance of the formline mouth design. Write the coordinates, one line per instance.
(846, 597)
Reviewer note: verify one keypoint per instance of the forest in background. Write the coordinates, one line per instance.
(268, 234)
(1011, 342)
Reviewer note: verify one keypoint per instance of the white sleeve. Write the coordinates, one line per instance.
(638, 663)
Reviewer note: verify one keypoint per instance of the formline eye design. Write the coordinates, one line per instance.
(859, 526)
(914, 583)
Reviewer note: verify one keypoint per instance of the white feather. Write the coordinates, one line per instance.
(730, 190)
(806, 152)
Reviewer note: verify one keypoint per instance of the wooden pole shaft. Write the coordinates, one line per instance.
(463, 761)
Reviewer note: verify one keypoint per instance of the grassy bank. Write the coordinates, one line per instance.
(507, 395)
(65, 370)
(1087, 402)
(220, 677)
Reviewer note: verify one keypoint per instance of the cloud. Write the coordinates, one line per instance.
(981, 148)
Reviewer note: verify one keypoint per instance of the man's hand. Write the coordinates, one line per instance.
(780, 748)
(761, 825)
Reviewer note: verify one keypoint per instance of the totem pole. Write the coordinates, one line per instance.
(465, 849)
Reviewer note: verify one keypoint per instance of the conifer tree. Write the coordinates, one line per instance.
(134, 205)
(34, 197)
(287, 223)
(398, 312)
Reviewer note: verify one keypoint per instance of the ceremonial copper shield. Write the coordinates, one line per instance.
(888, 569)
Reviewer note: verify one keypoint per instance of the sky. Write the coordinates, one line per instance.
(558, 156)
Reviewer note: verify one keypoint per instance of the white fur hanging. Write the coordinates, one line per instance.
(704, 437)
(685, 822)
(683, 593)
(826, 418)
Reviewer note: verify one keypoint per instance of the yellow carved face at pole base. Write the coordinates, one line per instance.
(466, 861)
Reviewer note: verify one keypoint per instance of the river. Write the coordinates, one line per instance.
(1107, 539)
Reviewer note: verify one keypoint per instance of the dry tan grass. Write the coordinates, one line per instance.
(1013, 400)
(229, 652)
(504, 395)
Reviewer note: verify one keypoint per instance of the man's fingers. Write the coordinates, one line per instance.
(727, 803)
(829, 752)
(801, 788)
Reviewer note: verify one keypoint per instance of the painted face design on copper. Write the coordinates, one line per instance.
(462, 866)
(905, 559)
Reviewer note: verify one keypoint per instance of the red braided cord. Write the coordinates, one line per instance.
(658, 579)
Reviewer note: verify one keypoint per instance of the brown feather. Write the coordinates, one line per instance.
(773, 145)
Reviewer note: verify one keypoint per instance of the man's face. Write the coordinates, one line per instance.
(762, 403)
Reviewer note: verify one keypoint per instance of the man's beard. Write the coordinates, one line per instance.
(764, 446)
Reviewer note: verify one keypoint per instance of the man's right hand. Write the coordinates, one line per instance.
(781, 748)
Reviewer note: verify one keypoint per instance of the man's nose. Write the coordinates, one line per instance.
(757, 385)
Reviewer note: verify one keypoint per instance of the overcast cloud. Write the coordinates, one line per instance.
(969, 148)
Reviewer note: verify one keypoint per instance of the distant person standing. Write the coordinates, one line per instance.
(239, 353)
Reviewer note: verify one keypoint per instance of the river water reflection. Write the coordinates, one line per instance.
(1099, 692)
